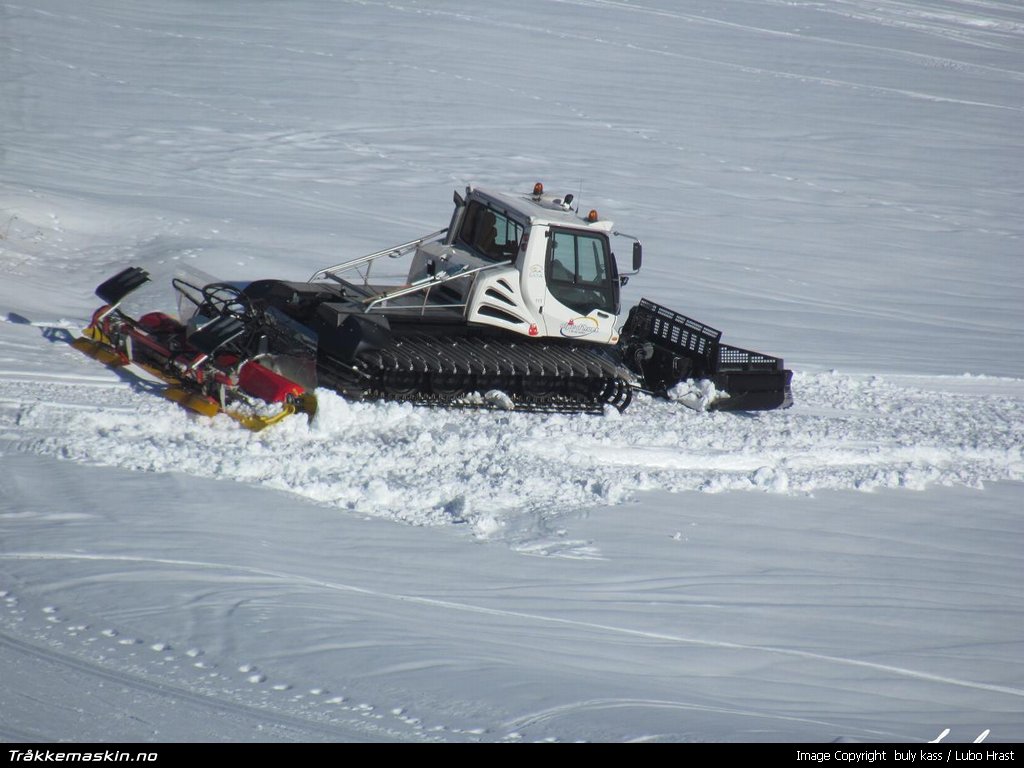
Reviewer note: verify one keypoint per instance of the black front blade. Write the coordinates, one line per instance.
(754, 390)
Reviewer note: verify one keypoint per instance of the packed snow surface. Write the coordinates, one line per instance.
(838, 183)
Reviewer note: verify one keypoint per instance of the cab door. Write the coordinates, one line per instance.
(582, 285)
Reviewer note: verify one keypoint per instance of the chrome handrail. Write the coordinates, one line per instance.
(394, 252)
(426, 283)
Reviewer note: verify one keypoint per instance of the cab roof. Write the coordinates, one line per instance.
(537, 209)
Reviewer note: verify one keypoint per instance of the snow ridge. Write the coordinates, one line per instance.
(509, 475)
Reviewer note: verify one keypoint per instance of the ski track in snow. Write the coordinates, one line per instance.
(160, 670)
(303, 709)
(719, 62)
(218, 687)
(959, 27)
(533, 617)
(510, 476)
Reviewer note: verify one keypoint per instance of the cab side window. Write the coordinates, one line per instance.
(489, 232)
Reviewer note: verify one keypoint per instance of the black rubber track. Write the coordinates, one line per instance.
(549, 375)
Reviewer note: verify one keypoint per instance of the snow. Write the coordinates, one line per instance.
(838, 183)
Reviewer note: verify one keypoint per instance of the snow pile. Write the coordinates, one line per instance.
(698, 395)
(497, 470)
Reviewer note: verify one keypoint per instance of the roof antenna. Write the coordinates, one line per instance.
(579, 196)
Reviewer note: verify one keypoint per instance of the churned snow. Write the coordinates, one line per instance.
(837, 183)
(493, 469)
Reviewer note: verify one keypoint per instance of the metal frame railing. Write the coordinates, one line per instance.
(425, 284)
(394, 252)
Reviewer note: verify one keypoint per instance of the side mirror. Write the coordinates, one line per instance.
(638, 255)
